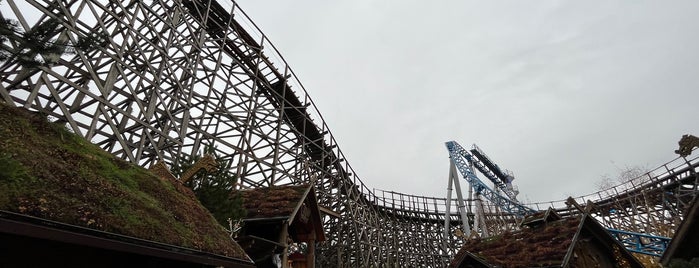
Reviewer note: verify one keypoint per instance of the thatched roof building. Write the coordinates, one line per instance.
(548, 241)
(278, 217)
(66, 202)
(684, 245)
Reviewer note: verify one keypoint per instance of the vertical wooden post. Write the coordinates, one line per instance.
(283, 239)
(311, 252)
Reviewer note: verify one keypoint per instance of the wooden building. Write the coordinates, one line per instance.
(64, 202)
(279, 220)
(546, 240)
(684, 246)
(34, 242)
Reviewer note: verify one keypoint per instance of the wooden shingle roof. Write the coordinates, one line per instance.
(548, 241)
(272, 202)
(545, 246)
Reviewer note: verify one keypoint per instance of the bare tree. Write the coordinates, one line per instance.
(624, 176)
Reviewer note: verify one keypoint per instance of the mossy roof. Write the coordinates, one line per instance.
(48, 172)
(546, 241)
(546, 245)
(272, 202)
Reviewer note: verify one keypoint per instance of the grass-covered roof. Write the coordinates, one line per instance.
(272, 202)
(48, 172)
(529, 247)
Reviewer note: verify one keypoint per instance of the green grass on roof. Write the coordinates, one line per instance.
(46, 171)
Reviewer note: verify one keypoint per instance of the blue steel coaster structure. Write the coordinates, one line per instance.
(464, 160)
(501, 178)
(641, 243)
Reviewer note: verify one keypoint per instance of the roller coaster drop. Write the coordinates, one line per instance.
(175, 76)
(464, 161)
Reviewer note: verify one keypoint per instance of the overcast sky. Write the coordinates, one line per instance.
(561, 93)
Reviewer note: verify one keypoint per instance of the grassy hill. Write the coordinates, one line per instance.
(48, 172)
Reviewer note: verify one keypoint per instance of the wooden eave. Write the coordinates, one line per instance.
(302, 200)
(602, 236)
(685, 237)
(310, 196)
(472, 258)
(28, 226)
(548, 216)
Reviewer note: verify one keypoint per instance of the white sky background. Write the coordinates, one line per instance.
(561, 93)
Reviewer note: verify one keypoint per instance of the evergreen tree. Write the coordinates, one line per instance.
(215, 190)
(33, 47)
